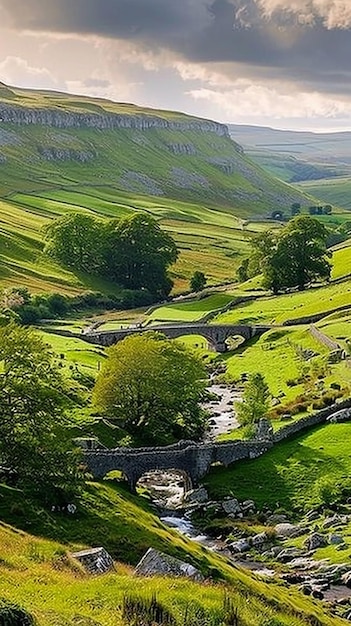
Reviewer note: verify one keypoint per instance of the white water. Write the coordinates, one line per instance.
(222, 412)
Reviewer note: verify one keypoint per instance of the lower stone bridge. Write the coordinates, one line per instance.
(190, 459)
(215, 334)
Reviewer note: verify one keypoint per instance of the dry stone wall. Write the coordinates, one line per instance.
(192, 459)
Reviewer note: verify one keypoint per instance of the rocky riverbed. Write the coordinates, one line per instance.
(269, 543)
(221, 409)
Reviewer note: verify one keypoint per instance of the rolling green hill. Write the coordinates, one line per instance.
(62, 153)
(319, 163)
(58, 140)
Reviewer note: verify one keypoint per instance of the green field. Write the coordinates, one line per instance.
(48, 583)
(334, 191)
(190, 311)
(195, 181)
(293, 306)
(215, 243)
(292, 467)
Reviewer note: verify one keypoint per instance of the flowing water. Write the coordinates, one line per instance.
(167, 491)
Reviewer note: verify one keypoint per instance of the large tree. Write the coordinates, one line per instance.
(32, 418)
(134, 252)
(139, 253)
(75, 241)
(295, 256)
(152, 387)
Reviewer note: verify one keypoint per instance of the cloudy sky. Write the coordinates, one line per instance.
(284, 63)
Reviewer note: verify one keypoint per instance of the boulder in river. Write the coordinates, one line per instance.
(259, 541)
(240, 546)
(287, 530)
(335, 539)
(199, 495)
(231, 506)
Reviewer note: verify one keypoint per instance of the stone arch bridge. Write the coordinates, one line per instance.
(190, 459)
(215, 334)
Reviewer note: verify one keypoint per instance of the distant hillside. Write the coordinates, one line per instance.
(52, 139)
(319, 162)
(323, 147)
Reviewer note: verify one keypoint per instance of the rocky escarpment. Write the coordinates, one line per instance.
(67, 154)
(12, 114)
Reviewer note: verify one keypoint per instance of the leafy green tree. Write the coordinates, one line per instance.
(294, 257)
(134, 252)
(242, 274)
(151, 387)
(138, 254)
(255, 402)
(198, 281)
(75, 241)
(262, 246)
(32, 419)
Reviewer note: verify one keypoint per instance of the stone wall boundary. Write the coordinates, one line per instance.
(324, 339)
(194, 460)
(309, 421)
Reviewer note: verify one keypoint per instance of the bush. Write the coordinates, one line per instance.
(13, 615)
(325, 491)
(29, 314)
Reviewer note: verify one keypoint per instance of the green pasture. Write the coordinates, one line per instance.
(274, 355)
(279, 309)
(51, 586)
(72, 352)
(285, 476)
(336, 190)
(341, 261)
(190, 311)
(212, 240)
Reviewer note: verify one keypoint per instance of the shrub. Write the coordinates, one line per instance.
(137, 611)
(13, 615)
(29, 314)
(325, 490)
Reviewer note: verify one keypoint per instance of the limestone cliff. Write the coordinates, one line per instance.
(15, 114)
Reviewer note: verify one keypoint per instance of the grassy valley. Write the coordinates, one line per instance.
(61, 155)
(316, 163)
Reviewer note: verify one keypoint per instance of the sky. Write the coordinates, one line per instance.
(279, 63)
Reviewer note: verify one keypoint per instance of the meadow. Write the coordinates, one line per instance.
(293, 306)
(49, 584)
(293, 467)
(212, 240)
(334, 191)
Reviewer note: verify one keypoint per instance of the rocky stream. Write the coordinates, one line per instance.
(271, 552)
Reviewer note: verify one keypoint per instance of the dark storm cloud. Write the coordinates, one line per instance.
(303, 46)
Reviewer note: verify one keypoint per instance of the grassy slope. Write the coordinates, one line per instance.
(330, 190)
(207, 238)
(279, 309)
(292, 467)
(121, 150)
(38, 573)
(200, 204)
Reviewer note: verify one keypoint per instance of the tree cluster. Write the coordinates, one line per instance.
(33, 445)
(133, 252)
(293, 257)
(326, 209)
(18, 304)
(151, 387)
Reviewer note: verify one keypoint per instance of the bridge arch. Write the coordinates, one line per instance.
(216, 334)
